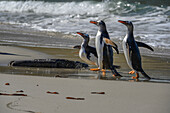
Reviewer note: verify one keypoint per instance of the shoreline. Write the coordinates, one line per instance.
(52, 45)
(57, 40)
(157, 68)
(51, 90)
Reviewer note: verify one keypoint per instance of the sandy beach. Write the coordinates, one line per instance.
(45, 31)
(51, 90)
(119, 97)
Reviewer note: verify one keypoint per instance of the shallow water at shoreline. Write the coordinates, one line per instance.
(52, 45)
(25, 37)
(157, 68)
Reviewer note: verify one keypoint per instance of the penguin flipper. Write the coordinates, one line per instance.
(111, 43)
(77, 47)
(145, 75)
(88, 56)
(92, 50)
(114, 71)
(117, 67)
(117, 51)
(141, 44)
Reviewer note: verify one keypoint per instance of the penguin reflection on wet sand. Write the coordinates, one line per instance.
(131, 51)
(104, 52)
(86, 52)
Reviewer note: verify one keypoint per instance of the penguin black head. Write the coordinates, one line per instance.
(127, 23)
(99, 23)
(84, 35)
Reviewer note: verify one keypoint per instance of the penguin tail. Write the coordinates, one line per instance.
(145, 75)
(114, 71)
(117, 67)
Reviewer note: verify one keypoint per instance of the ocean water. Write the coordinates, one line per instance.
(151, 18)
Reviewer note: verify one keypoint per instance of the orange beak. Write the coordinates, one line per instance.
(123, 22)
(93, 22)
(80, 33)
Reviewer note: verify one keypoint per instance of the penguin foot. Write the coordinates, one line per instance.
(95, 69)
(114, 76)
(117, 67)
(131, 72)
(103, 72)
(136, 77)
(117, 76)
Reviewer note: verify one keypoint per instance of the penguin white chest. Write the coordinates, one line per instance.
(99, 42)
(126, 51)
(82, 53)
(83, 56)
(99, 48)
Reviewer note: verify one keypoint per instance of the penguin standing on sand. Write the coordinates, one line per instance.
(104, 52)
(86, 50)
(131, 51)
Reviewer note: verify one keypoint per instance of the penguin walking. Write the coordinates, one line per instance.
(86, 52)
(104, 51)
(131, 51)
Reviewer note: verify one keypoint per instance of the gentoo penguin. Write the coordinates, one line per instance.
(131, 51)
(104, 52)
(86, 51)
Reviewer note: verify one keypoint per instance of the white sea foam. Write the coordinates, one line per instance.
(151, 22)
(57, 8)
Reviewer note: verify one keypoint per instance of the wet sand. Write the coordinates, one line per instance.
(72, 90)
(155, 67)
(121, 95)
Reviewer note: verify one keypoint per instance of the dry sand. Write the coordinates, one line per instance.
(119, 97)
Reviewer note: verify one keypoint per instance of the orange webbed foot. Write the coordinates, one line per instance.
(136, 77)
(95, 69)
(103, 72)
(131, 72)
(114, 76)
